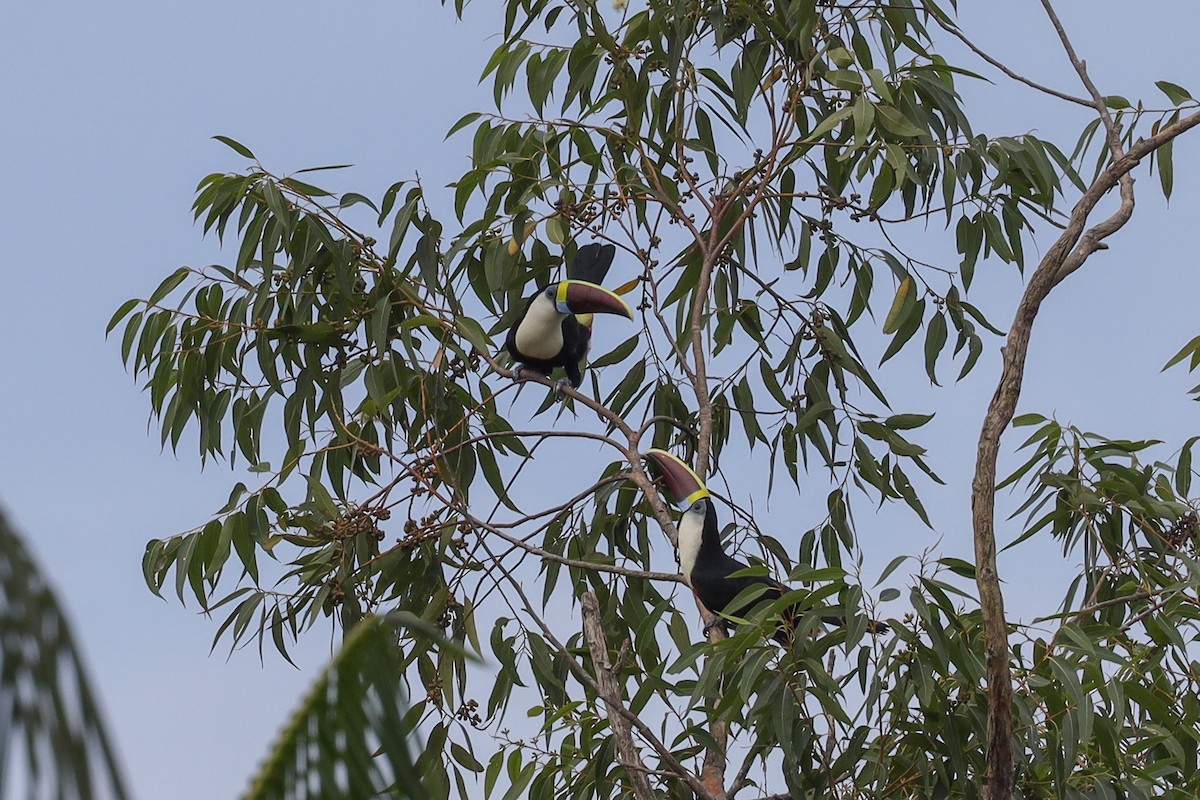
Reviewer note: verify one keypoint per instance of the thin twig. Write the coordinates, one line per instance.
(954, 31)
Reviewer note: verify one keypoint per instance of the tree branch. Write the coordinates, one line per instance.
(700, 368)
(601, 410)
(627, 752)
(582, 675)
(546, 555)
(1066, 255)
(957, 33)
(1097, 100)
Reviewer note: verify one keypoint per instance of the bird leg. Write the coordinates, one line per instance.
(558, 387)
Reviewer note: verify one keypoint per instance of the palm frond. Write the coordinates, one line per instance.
(349, 737)
(52, 737)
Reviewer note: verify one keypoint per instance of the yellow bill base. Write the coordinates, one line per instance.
(686, 503)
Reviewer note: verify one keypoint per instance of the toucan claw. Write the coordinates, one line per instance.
(558, 387)
(716, 622)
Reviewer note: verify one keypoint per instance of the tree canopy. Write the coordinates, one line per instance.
(760, 168)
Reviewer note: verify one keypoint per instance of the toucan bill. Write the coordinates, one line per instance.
(682, 484)
(581, 297)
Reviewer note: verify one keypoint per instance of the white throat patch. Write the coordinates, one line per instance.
(539, 334)
(691, 530)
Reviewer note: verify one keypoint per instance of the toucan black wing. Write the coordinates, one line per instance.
(711, 578)
(577, 339)
(591, 263)
(717, 590)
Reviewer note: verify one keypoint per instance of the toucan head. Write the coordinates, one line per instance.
(683, 485)
(581, 297)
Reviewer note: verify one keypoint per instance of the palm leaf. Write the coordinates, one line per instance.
(349, 738)
(48, 712)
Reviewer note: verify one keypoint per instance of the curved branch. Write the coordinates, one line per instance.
(568, 391)
(1097, 100)
(954, 31)
(1067, 254)
(670, 421)
(575, 562)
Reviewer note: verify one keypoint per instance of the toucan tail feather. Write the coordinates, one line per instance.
(591, 263)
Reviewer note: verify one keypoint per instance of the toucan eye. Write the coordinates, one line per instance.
(698, 506)
(551, 291)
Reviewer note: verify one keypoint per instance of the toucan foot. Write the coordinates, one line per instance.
(708, 626)
(558, 387)
(518, 373)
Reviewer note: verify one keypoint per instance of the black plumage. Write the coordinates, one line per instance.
(591, 263)
(577, 340)
(713, 578)
(589, 266)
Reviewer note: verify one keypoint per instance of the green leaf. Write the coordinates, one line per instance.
(864, 120)
(237, 147)
(890, 568)
(892, 120)
(829, 123)
(1175, 93)
(464, 757)
(959, 567)
(474, 334)
(121, 313)
(1166, 167)
(617, 354)
(897, 443)
(1189, 349)
(56, 741)
(556, 230)
(168, 285)
(906, 422)
(707, 141)
(935, 340)
(910, 323)
(463, 122)
(1183, 467)
(321, 498)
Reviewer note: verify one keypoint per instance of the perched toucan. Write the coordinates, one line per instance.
(555, 329)
(704, 563)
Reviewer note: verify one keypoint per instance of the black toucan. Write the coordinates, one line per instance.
(555, 329)
(704, 563)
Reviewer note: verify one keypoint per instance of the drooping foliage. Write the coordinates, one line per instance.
(350, 736)
(759, 166)
(53, 741)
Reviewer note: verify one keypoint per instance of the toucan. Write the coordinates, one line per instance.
(555, 329)
(705, 566)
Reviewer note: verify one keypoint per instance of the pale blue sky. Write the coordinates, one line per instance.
(107, 114)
